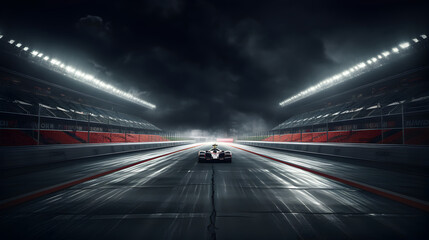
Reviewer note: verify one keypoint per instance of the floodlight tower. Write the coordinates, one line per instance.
(356, 70)
(60, 67)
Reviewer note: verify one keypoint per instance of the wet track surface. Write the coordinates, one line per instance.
(174, 197)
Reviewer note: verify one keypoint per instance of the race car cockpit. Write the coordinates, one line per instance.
(214, 148)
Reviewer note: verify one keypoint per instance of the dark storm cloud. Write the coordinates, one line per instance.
(166, 8)
(95, 27)
(221, 64)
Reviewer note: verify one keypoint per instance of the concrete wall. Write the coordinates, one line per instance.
(401, 154)
(22, 156)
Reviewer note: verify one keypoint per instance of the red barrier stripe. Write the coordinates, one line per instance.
(423, 205)
(39, 193)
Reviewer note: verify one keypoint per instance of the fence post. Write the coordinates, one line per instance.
(89, 116)
(312, 132)
(75, 123)
(108, 128)
(38, 126)
(327, 131)
(403, 125)
(381, 122)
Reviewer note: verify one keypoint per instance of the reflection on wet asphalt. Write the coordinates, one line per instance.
(174, 197)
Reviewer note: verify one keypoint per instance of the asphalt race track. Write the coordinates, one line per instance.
(175, 197)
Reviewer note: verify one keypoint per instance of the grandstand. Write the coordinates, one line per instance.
(389, 105)
(41, 106)
(36, 119)
(396, 116)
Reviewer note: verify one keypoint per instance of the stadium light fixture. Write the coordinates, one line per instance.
(55, 62)
(70, 69)
(404, 45)
(78, 73)
(352, 72)
(58, 66)
(89, 77)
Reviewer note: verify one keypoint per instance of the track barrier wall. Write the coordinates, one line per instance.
(388, 153)
(26, 156)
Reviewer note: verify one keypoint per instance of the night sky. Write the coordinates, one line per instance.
(214, 65)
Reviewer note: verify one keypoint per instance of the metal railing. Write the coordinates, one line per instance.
(402, 120)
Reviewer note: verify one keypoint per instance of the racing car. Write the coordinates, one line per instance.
(215, 155)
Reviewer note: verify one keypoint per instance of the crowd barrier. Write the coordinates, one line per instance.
(414, 136)
(16, 137)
